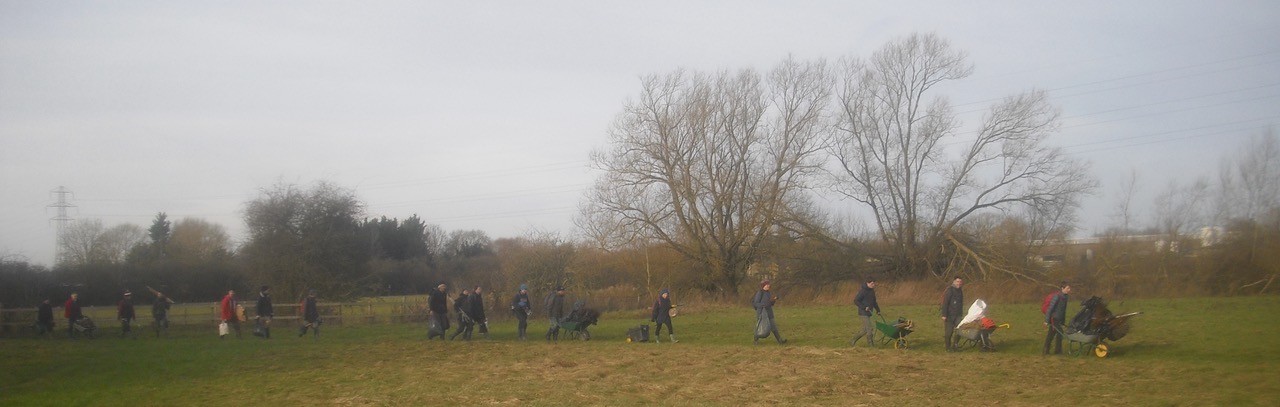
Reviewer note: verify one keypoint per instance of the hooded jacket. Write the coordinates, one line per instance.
(438, 302)
(521, 303)
(953, 303)
(865, 299)
(662, 308)
(264, 307)
(476, 311)
(763, 302)
(310, 311)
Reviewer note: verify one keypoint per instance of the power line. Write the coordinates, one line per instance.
(1270, 118)
(1079, 85)
(1229, 131)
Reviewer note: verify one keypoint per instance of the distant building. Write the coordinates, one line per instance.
(1058, 252)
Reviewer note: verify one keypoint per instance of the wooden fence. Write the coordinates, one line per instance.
(380, 312)
(383, 310)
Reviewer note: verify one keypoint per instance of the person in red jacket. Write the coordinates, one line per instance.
(229, 312)
(71, 310)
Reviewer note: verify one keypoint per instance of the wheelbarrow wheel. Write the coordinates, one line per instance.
(1074, 348)
(1100, 351)
(900, 343)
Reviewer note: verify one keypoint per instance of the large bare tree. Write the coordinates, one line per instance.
(709, 163)
(89, 242)
(901, 154)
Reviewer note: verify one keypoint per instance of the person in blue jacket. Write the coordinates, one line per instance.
(763, 302)
(522, 308)
(1054, 317)
(866, 303)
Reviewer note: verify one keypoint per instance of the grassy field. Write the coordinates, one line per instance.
(1209, 351)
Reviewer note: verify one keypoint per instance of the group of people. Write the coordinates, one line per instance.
(125, 312)
(952, 310)
(231, 314)
(469, 312)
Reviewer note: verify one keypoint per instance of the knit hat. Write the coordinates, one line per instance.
(524, 287)
(664, 291)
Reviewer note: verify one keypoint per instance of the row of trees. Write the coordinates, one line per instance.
(719, 166)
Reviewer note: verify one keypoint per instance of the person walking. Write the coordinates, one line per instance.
(462, 307)
(44, 317)
(865, 301)
(160, 312)
(228, 313)
(264, 313)
(521, 307)
(71, 310)
(763, 302)
(1055, 317)
(555, 312)
(125, 313)
(438, 312)
(310, 311)
(477, 312)
(952, 311)
(662, 315)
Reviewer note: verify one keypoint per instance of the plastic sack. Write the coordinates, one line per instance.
(223, 329)
(762, 325)
(976, 312)
(434, 328)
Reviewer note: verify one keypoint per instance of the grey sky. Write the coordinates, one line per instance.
(481, 116)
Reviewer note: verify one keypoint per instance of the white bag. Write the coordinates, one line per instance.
(976, 312)
(223, 329)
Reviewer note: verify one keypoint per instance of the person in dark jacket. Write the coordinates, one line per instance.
(952, 311)
(160, 313)
(310, 315)
(71, 310)
(477, 312)
(865, 301)
(555, 312)
(44, 317)
(1054, 317)
(438, 311)
(522, 308)
(763, 302)
(265, 312)
(462, 307)
(662, 315)
(126, 314)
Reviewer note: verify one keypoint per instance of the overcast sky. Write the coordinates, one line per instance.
(481, 115)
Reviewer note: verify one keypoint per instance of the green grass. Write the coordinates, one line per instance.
(1209, 351)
